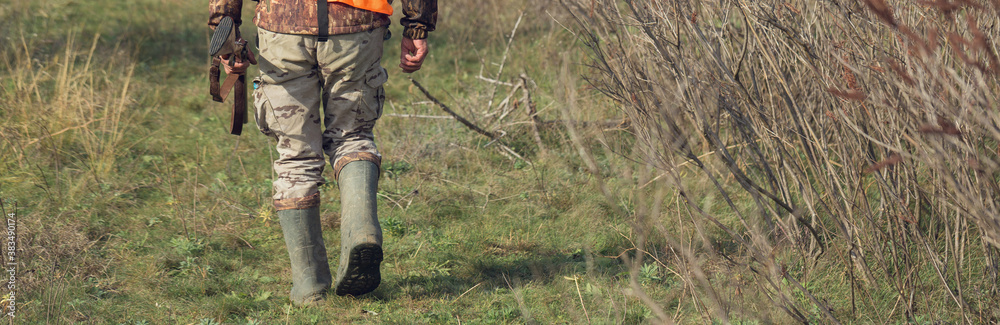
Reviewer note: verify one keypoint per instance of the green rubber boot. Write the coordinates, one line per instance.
(304, 240)
(360, 234)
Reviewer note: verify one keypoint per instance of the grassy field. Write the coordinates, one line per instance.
(134, 205)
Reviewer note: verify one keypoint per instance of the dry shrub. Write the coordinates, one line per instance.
(854, 146)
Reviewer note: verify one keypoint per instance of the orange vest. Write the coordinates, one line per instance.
(379, 6)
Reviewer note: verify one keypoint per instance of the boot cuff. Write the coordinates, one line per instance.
(355, 156)
(297, 203)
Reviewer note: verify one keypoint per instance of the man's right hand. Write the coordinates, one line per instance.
(239, 66)
(412, 55)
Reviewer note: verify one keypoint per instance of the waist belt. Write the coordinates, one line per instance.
(323, 20)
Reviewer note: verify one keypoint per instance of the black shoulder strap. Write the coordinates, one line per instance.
(323, 20)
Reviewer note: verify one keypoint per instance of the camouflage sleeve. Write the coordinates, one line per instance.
(419, 18)
(221, 8)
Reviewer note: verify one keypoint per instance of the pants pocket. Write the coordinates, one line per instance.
(261, 106)
(375, 79)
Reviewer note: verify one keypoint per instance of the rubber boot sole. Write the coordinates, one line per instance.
(362, 275)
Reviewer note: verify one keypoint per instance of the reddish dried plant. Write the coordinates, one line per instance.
(944, 126)
(949, 8)
(796, 11)
(901, 72)
(850, 94)
(885, 163)
(980, 42)
(916, 43)
(853, 91)
(883, 11)
(850, 79)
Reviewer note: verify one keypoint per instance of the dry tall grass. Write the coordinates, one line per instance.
(89, 104)
(66, 115)
(854, 145)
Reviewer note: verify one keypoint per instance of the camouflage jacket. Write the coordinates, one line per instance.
(299, 16)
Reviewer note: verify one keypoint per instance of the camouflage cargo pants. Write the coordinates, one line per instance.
(298, 74)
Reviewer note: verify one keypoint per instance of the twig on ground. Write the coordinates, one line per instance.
(467, 291)
(439, 117)
(493, 81)
(391, 200)
(492, 135)
(583, 124)
(576, 281)
(532, 112)
(506, 103)
(63, 130)
(448, 110)
(503, 61)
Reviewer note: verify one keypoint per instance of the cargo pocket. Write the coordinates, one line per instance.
(261, 106)
(375, 79)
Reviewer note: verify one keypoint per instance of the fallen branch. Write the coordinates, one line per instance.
(440, 117)
(492, 135)
(584, 124)
(460, 119)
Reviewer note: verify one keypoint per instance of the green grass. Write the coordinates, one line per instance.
(152, 214)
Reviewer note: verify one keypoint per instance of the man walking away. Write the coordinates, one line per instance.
(320, 64)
